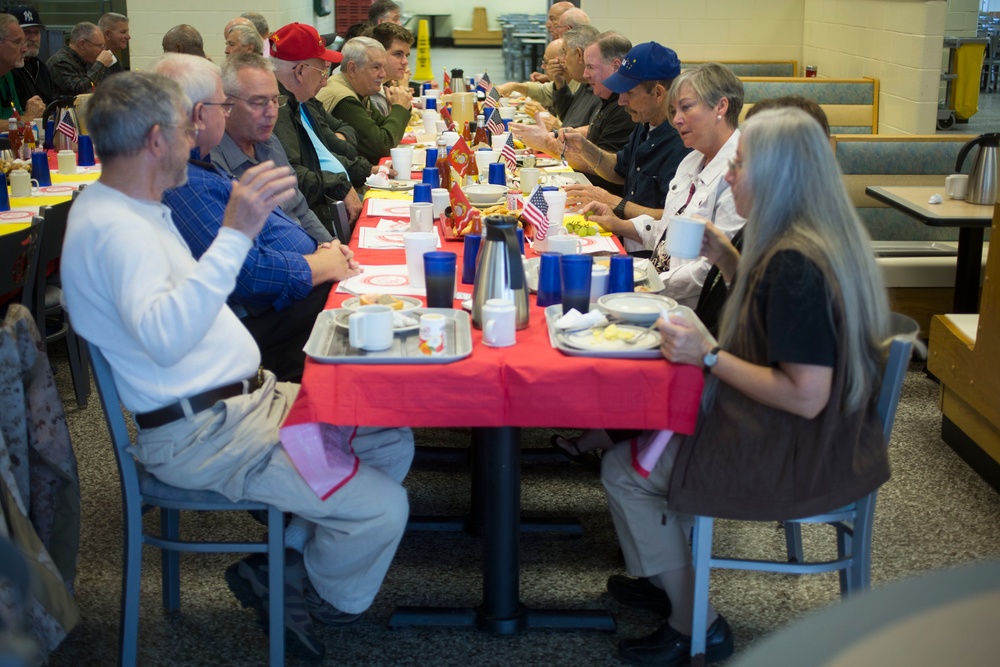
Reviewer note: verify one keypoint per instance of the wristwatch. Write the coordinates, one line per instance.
(619, 210)
(711, 359)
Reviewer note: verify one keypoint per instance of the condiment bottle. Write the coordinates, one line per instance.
(13, 135)
(472, 172)
(480, 139)
(28, 143)
(443, 165)
(467, 134)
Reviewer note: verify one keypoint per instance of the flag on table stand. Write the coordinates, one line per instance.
(462, 211)
(446, 117)
(66, 127)
(536, 211)
(494, 125)
(460, 156)
(492, 100)
(485, 84)
(509, 156)
(446, 87)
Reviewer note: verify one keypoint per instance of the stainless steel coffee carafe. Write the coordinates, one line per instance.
(499, 269)
(983, 176)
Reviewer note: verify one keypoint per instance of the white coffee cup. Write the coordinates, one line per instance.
(599, 275)
(402, 161)
(434, 93)
(483, 161)
(956, 186)
(440, 126)
(370, 328)
(507, 113)
(556, 199)
(450, 139)
(67, 162)
(499, 140)
(684, 237)
(433, 334)
(22, 184)
(421, 217)
(563, 243)
(430, 119)
(416, 244)
(441, 200)
(499, 323)
(530, 177)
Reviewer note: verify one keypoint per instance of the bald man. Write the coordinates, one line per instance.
(184, 38)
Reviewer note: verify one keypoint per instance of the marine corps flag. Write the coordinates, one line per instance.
(462, 212)
(446, 87)
(460, 156)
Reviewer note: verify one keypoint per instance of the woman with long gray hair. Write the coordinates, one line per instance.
(788, 424)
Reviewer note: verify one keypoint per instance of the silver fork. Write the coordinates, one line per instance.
(639, 334)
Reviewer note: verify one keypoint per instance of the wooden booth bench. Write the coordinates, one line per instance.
(746, 68)
(851, 105)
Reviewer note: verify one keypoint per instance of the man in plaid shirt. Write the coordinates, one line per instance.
(286, 277)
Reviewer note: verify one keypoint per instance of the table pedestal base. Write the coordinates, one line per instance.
(496, 493)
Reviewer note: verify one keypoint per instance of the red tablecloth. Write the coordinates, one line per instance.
(529, 384)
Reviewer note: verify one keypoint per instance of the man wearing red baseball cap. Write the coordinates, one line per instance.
(322, 150)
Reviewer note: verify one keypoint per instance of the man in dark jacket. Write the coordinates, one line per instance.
(33, 79)
(321, 149)
(78, 67)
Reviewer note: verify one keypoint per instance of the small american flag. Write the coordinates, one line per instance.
(493, 123)
(485, 84)
(66, 127)
(536, 211)
(508, 154)
(492, 98)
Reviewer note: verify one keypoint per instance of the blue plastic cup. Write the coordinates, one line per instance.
(422, 193)
(439, 278)
(4, 196)
(430, 103)
(620, 278)
(40, 168)
(84, 152)
(50, 131)
(575, 273)
(549, 280)
(498, 174)
(520, 239)
(469, 257)
(432, 158)
(431, 177)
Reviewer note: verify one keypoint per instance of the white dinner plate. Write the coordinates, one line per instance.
(395, 185)
(589, 340)
(409, 303)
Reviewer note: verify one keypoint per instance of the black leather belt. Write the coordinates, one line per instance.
(198, 402)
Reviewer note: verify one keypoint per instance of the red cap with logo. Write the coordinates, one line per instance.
(298, 41)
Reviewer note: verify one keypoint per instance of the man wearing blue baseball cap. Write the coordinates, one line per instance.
(648, 161)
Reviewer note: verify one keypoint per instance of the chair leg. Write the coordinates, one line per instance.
(170, 529)
(701, 555)
(276, 585)
(793, 542)
(78, 368)
(128, 640)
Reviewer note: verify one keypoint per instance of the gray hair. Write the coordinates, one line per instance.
(6, 22)
(82, 30)
(710, 82)
(183, 38)
(196, 76)
(246, 35)
(235, 64)
(380, 9)
(357, 51)
(579, 38)
(110, 20)
(574, 18)
(613, 46)
(125, 107)
(259, 23)
(799, 202)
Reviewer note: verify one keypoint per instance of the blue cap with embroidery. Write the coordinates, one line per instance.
(646, 62)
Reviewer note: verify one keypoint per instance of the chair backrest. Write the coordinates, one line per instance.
(904, 331)
(341, 222)
(19, 257)
(105, 382)
(50, 249)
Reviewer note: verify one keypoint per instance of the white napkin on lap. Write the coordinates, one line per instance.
(574, 319)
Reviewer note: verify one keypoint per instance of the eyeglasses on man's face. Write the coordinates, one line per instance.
(325, 73)
(99, 46)
(191, 130)
(261, 103)
(226, 107)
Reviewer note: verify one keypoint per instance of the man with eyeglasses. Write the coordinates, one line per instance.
(286, 278)
(208, 417)
(33, 79)
(114, 27)
(541, 90)
(347, 97)
(247, 80)
(323, 150)
(78, 67)
(12, 51)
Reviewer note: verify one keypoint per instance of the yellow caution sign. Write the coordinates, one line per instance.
(424, 71)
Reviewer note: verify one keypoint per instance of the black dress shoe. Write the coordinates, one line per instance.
(640, 593)
(668, 648)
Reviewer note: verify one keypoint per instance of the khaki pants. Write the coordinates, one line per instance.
(234, 449)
